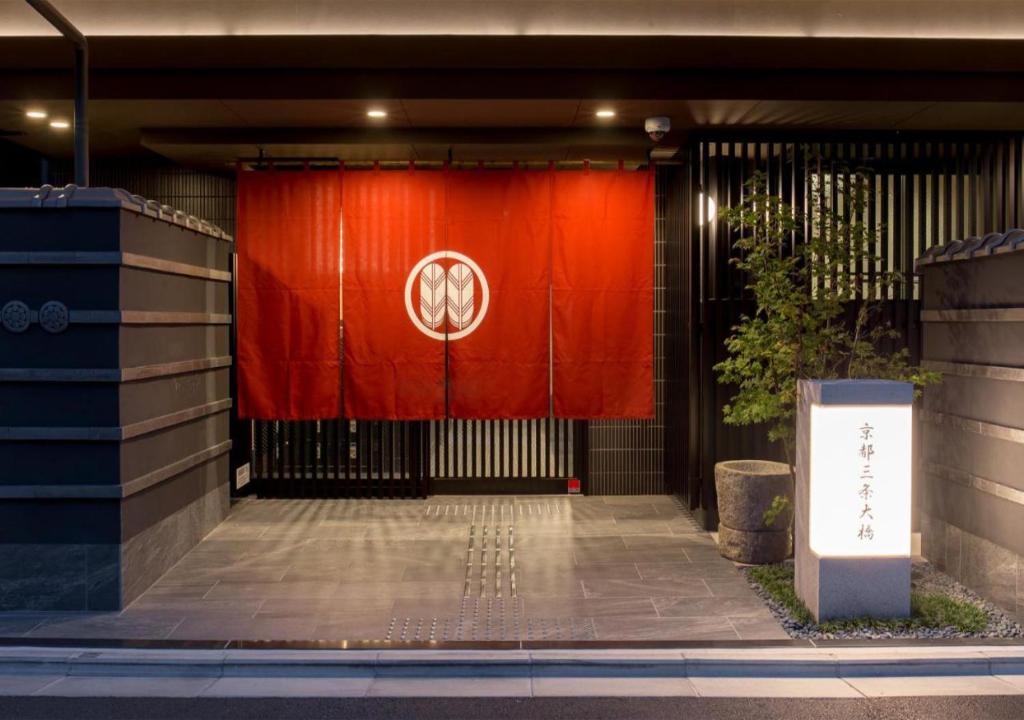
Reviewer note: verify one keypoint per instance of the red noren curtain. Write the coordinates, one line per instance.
(455, 285)
(603, 294)
(289, 254)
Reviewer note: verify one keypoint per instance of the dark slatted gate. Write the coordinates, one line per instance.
(386, 459)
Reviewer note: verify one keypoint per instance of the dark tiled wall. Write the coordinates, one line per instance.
(626, 457)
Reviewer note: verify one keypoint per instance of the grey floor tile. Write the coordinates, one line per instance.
(237, 531)
(289, 687)
(356, 623)
(639, 511)
(631, 555)
(706, 628)
(195, 606)
(371, 573)
(620, 609)
(597, 542)
(451, 687)
(171, 592)
(931, 686)
(665, 540)
(1016, 680)
(773, 687)
(129, 625)
(433, 607)
(612, 687)
(618, 571)
(728, 586)
(240, 571)
(405, 589)
(733, 607)
(296, 589)
(654, 572)
(23, 685)
(536, 559)
(688, 587)
(641, 527)
(266, 628)
(616, 500)
(703, 553)
(454, 570)
(757, 627)
(127, 687)
(320, 607)
(564, 587)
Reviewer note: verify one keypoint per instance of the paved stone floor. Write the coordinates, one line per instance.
(446, 568)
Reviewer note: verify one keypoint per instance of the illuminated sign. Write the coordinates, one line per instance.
(860, 468)
(852, 522)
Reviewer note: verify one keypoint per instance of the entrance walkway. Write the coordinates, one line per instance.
(444, 569)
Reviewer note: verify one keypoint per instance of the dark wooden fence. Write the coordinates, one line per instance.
(364, 458)
(925, 189)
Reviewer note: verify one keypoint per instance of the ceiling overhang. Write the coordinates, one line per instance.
(777, 18)
(505, 90)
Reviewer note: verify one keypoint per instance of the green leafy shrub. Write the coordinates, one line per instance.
(818, 296)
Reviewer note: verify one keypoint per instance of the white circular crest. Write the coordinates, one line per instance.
(477, 314)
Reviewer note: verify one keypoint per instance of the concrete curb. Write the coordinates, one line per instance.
(712, 663)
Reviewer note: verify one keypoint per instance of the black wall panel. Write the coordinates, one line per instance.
(927, 189)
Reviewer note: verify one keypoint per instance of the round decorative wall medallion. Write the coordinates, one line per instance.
(15, 316)
(53, 316)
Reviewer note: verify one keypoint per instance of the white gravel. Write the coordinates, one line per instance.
(925, 578)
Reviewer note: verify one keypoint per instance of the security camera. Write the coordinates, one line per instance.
(656, 127)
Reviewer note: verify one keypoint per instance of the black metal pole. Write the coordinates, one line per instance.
(69, 31)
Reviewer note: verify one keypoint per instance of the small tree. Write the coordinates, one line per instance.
(818, 299)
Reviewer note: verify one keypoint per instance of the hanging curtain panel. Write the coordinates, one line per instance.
(603, 294)
(288, 309)
(458, 287)
(497, 265)
(395, 294)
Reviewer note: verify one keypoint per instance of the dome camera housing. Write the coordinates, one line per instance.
(656, 127)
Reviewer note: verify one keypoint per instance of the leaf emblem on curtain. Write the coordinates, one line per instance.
(460, 295)
(432, 295)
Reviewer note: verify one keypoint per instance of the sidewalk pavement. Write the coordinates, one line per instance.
(839, 672)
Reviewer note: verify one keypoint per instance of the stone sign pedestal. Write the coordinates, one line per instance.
(852, 531)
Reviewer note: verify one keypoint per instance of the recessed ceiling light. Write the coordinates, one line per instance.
(60, 124)
(606, 113)
(376, 113)
(36, 114)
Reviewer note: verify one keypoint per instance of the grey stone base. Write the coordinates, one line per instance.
(836, 588)
(104, 576)
(59, 576)
(151, 553)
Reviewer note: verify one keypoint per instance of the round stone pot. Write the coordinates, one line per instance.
(746, 489)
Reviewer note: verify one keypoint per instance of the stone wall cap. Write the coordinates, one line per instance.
(858, 392)
(71, 196)
(994, 243)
